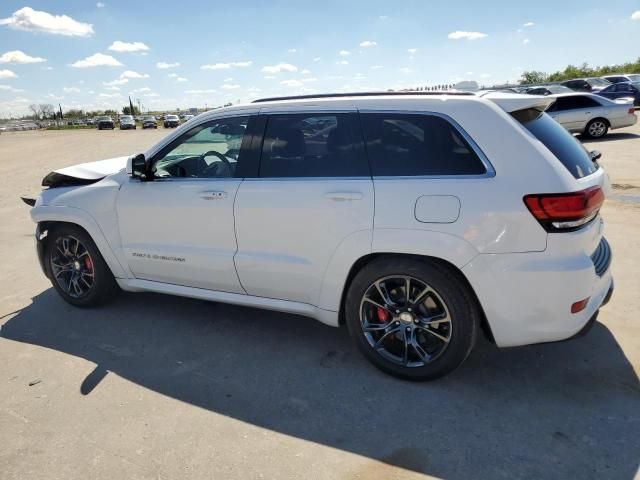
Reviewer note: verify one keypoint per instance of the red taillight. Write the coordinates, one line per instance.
(565, 211)
(632, 110)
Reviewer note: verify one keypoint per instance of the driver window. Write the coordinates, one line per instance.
(209, 150)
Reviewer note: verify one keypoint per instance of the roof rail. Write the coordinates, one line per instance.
(359, 94)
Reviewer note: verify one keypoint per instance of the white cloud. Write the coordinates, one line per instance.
(165, 65)
(198, 92)
(344, 53)
(10, 89)
(292, 50)
(485, 75)
(375, 67)
(100, 5)
(280, 67)
(17, 56)
(316, 59)
(97, 60)
(309, 79)
(181, 79)
(125, 47)
(151, 94)
(110, 95)
(457, 35)
(4, 73)
(306, 71)
(70, 90)
(173, 75)
(113, 88)
(32, 20)
(228, 79)
(343, 62)
(412, 51)
(132, 74)
(228, 86)
(226, 66)
(142, 90)
(269, 77)
(368, 43)
(47, 68)
(635, 15)
(405, 70)
(525, 41)
(118, 81)
(528, 24)
(291, 83)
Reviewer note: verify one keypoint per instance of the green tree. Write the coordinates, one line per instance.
(533, 76)
(127, 111)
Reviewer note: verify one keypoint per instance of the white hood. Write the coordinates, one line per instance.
(94, 170)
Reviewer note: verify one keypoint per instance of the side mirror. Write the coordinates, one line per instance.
(595, 155)
(137, 167)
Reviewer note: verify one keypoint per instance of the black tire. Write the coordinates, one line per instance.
(103, 287)
(596, 128)
(451, 295)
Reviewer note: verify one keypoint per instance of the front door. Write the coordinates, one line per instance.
(313, 191)
(179, 228)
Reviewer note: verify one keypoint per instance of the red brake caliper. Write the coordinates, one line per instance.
(383, 315)
(88, 263)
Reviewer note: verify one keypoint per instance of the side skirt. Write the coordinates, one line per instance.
(324, 316)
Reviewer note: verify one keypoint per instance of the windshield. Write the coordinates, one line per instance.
(597, 82)
(566, 148)
(634, 78)
(126, 117)
(108, 119)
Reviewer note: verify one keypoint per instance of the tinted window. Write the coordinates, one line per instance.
(411, 145)
(310, 145)
(210, 150)
(561, 143)
(574, 102)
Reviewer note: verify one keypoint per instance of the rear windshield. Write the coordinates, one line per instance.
(568, 149)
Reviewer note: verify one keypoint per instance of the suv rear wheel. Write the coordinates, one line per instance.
(411, 318)
(76, 268)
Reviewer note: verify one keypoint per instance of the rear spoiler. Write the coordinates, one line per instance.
(29, 201)
(513, 102)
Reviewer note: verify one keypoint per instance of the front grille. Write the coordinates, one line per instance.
(601, 258)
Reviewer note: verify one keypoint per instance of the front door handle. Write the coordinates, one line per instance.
(343, 196)
(216, 195)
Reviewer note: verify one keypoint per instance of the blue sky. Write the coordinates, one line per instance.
(221, 51)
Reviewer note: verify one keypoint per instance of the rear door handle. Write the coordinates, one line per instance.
(343, 196)
(216, 195)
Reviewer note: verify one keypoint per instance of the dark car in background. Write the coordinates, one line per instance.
(591, 84)
(171, 121)
(622, 90)
(149, 122)
(105, 123)
(622, 77)
(548, 90)
(127, 122)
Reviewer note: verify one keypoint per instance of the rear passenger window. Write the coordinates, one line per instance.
(310, 145)
(413, 145)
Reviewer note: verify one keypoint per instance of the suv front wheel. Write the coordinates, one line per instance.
(411, 318)
(76, 268)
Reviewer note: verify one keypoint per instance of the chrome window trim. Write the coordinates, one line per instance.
(490, 171)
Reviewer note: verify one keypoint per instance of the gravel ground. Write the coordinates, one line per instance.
(160, 387)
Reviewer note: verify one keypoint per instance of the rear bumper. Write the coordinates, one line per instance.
(527, 297)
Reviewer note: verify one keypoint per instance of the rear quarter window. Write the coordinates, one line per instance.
(417, 145)
(564, 146)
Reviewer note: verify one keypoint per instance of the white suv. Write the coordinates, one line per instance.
(414, 219)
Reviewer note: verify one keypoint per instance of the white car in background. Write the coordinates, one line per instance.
(485, 214)
(591, 115)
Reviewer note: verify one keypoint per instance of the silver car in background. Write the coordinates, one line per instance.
(591, 115)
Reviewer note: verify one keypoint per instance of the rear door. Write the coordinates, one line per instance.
(312, 192)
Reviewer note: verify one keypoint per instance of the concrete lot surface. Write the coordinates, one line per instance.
(160, 387)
